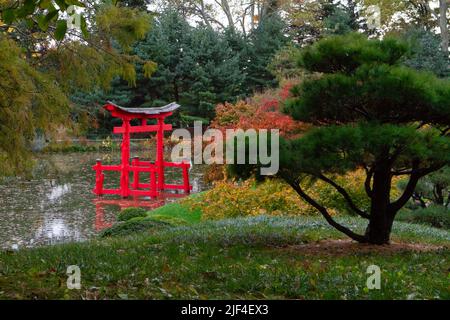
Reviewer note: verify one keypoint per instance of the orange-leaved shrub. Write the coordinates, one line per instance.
(262, 111)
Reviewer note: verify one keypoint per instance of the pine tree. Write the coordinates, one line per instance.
(195, 67)
(372, 113)
(263, 43)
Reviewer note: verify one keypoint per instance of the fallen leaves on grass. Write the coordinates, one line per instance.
(349, 247)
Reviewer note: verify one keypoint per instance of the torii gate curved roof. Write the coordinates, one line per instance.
(140, 112)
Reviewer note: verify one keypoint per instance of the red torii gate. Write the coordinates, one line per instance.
(155, 169)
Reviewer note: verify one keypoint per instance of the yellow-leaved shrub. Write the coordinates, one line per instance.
(228, 199)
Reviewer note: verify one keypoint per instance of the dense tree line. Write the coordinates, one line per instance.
(143, 54)
(197, 66)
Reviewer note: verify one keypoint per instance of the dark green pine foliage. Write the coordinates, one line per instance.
(87, 111)
(258, 51)
(371, 113)
(196, 67)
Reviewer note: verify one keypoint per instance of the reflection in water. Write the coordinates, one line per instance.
(58, 191)
(56, 231)
(101, 204)
(100, 222)
(57, 205)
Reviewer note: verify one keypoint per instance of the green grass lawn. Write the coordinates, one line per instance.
(258, 257)
(177, 211)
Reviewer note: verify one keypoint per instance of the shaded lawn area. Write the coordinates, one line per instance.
(258, 257)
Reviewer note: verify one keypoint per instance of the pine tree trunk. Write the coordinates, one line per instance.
(381, 219)
(379, 229)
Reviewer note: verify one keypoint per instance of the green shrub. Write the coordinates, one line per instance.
(436, 216)
(175, 221)
(67, 148)
(130, 213)
(176, 212)
(134, 226)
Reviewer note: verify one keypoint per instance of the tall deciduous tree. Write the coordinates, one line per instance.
(43, 61)
(234, 15)
(443, 24)
(371, 113)
(309, 21)
(426, 13)
(29, 101)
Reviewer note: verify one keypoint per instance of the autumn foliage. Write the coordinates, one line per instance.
(231, 198)
(262, 111)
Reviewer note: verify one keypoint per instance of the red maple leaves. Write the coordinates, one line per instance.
(262, 111)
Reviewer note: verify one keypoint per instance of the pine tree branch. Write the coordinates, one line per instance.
(346, 196)
(296, 186)
(367, 182)
(416, 174)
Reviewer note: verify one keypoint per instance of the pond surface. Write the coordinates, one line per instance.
(57, 204)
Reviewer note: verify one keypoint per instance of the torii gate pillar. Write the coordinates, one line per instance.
(154, 169)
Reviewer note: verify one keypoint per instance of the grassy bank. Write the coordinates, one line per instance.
(259, 257)
(177, 211)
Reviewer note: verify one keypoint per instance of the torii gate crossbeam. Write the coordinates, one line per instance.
(154, 169)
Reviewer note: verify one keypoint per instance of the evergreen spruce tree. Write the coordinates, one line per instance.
(263, 43)
(426, 53)
(195, 67)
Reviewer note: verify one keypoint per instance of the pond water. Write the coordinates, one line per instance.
(57, 204)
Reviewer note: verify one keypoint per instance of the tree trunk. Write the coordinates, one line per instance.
(203, 14)
(439, 194)
(380, 222)
(252, 14)
(443, 7)
(226, 10)
(379, 229)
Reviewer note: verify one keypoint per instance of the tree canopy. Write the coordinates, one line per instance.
(200, 67)
(196, 66)
(44, 61)
(372, 113)
(29, 101)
